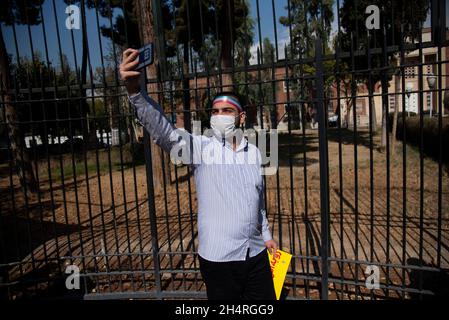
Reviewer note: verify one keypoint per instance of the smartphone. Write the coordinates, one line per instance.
(146, 56)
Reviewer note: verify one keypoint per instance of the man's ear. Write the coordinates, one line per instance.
(242, 118)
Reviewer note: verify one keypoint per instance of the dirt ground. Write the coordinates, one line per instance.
(102, 224)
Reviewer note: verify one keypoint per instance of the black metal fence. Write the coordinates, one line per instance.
(361, 191)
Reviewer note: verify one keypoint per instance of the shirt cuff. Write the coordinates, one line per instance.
(266, 235)
(134, 97)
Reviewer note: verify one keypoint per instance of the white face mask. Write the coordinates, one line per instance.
(223, 125)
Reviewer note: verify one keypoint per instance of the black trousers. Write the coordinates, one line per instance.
(235, 280)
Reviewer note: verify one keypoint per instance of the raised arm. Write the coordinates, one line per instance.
(152, 117)
(149, 112)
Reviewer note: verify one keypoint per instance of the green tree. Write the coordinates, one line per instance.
(308, 21)
(17, 12)
(88, 137)
(132, 26)
(37, 73)
(242, 56)
(268, 93)
(401, 20)
(211, 29)
(188, 32)
(232, 17)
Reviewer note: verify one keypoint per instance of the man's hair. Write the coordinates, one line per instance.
(233, 94)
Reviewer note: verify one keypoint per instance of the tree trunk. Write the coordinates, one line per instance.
(373, 116)
(20, 156)
(395, 117)
(373, 109)
(148, 36)
(227, 43)
(89, 137)
(348, 112)
(383, 142)
(186, 89)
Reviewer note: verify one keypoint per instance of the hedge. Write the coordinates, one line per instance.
(430, 133)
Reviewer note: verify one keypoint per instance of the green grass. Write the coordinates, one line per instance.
(78, 168)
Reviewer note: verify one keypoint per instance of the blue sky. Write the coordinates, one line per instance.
(50, 7)
(267, 24)
(53, 22)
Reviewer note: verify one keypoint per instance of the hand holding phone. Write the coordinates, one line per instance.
(133, 61)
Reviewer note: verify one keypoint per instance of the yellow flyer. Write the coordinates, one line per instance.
(279, 265)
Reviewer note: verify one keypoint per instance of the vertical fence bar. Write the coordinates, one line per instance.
(114, 197)
(192, 71)
(371, 153)
(324, 179)
(80, 117)
(152, 207)
(295, 105)
(356, 178)
(421, 160)
(177, 184)
(404, 161)
(160, 41)
(169, 236)
(386, 108)
(308, 235)
(437, 27)
(90, 112)
(104, 241)
(338, 70)
(290, 163)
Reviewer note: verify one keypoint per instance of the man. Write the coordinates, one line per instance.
(233, 229)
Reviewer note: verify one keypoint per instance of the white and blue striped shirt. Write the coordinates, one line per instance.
(231, 212)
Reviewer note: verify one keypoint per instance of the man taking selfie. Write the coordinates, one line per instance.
(233, 229)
